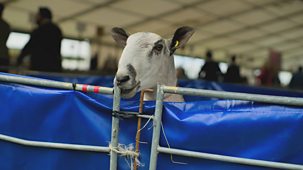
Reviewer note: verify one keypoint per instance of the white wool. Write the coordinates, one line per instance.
(147, 61)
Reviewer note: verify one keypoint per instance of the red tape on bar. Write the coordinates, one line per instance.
(96, 89)
(84, 87)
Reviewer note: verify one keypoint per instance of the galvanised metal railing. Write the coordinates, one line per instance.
(112, 149)
(156, 148)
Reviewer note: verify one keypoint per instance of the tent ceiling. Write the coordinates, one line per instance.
(248, 28)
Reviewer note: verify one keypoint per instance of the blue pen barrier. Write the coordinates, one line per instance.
(228, 127)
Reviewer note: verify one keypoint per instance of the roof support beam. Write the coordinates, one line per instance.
(86, 11)
(248, 27)
(293, 49)
(226, 17)
(6, 2)
(278, 33)
(166, 13)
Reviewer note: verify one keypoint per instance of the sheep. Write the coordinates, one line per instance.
(147, 60)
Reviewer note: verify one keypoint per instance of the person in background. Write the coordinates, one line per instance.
(296, 81)
(181, 73)
(110, 66)
(233, 72)
(210, 70)
(94, 62)
(44, 45)
(4, 33)
(268, 75)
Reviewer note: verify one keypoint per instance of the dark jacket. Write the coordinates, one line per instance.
(232, 74)
(296, 81)
(44, 48)
(4, 33)
(211, 71)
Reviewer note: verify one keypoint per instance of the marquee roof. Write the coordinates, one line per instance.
(248, 28)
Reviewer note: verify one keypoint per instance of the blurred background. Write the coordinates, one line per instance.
(260, 34)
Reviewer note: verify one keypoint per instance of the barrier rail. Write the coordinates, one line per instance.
(112, 149)
(156, 148)
(54, 145)
(56, 84)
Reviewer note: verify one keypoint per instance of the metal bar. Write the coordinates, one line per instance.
(115, 129)
(95, 89)
(54, 145)
(36, 82)
(136, 114)
(295, 101)
(156, 128)
(55, 84)
(230, 159)
(145, 116)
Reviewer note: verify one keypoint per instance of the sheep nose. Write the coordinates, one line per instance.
(122, 79)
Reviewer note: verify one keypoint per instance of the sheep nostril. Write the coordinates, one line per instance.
(122, 79)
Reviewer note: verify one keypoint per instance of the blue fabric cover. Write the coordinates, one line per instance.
(228, 127)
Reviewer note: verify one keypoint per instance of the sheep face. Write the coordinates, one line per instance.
(145, 61)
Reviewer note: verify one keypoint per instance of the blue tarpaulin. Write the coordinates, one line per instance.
(229, 127)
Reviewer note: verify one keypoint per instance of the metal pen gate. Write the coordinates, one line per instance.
(111, 149)
(155, 148)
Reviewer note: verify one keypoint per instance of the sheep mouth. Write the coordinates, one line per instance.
(130, 92)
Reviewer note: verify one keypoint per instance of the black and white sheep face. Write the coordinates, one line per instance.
(146, 59)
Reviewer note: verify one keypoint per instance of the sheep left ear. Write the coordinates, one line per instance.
(120, 36)
(181, 37)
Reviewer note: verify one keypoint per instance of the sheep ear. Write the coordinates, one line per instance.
(181, 37)
(120, 36)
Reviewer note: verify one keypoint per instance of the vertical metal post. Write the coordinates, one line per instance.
(115, 129)
(156, 129)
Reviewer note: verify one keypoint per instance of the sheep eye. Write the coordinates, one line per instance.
(159, 47)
